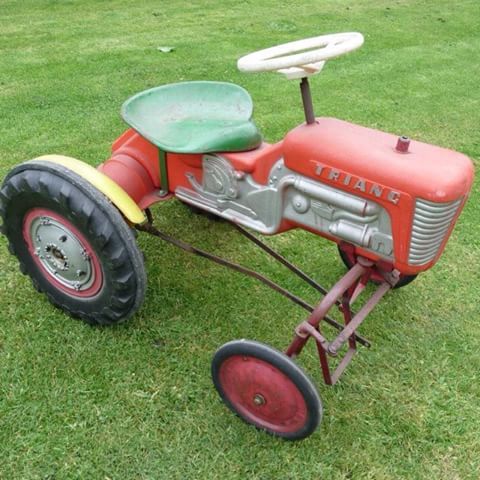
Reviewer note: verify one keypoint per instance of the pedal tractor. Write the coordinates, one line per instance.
(390, 204)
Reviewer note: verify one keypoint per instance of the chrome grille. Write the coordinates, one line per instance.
(430, 225)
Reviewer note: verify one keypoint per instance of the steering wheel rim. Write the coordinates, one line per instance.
(292, 60)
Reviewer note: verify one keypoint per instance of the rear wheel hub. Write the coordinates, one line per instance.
(62, 252)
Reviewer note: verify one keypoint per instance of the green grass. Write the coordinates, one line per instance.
(136, 401)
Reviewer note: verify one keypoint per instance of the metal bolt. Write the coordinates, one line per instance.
(45, 221)
(300, 203)
(76, 286)
(258, 400)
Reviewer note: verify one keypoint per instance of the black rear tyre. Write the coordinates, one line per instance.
(72, 242)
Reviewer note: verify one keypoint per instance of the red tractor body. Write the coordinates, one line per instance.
(367, 163)
(421, 187)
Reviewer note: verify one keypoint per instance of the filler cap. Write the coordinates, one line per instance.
(402, 144)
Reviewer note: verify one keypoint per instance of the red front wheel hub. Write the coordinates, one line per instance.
(266, 389)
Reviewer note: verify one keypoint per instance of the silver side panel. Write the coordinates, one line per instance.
(236, 196)
(431, 222)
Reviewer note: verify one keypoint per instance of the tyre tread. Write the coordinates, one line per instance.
(94, 214)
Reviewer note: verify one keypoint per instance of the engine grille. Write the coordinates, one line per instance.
(430, 225)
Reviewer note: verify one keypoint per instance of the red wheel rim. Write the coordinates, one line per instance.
(72, 265)
(263, 394)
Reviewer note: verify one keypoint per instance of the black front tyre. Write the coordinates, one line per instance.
(72, 242)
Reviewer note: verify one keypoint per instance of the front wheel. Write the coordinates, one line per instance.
(267, 389)
(72, 242)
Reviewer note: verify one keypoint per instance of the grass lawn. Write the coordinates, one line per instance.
(136, 401)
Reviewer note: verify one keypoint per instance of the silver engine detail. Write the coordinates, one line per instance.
(236, 196)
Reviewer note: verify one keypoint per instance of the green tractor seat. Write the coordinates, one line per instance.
(194, 117)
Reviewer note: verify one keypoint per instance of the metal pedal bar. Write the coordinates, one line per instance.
(281, 259)
(152, 230)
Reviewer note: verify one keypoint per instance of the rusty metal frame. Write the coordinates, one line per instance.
(343, 294)
(348, 288)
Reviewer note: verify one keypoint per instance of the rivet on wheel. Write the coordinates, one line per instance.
(76, 286)
(259, 400)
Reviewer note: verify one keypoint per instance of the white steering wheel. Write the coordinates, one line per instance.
(301, 58)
